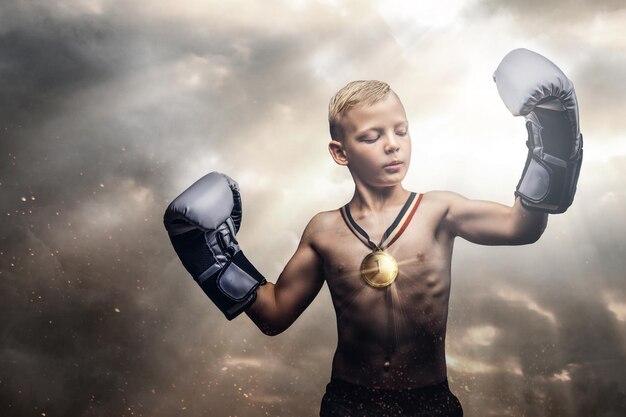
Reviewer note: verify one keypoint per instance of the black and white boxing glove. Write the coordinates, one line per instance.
(532, 86)
(202, 223)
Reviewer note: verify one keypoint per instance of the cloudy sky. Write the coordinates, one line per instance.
(109, 109)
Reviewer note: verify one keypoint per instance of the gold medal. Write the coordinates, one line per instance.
(379, 269)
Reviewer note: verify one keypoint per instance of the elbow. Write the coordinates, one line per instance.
(539, 234)
(531, 233)
(272, 326)
(529, 238)
(267, 328)
(538, 231)
(272, 330)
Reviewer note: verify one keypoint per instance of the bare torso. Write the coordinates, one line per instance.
(420, 298)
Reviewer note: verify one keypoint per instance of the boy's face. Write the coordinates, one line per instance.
(374, 137)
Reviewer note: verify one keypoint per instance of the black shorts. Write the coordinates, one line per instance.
(344, 399)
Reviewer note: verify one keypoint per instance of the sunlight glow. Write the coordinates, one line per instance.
(515, 296)
(480, 335)
(617, 307)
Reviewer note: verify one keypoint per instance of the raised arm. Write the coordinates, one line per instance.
(534, 87)
(278, 305)
(202, 223)
(490, 223)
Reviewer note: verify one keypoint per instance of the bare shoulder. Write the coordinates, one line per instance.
(441, 200)
(321, 224)
(439, 203)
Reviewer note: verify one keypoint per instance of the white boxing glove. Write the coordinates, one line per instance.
(532, 86)
(202, 223)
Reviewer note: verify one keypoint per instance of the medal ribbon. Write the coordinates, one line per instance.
(393, 232)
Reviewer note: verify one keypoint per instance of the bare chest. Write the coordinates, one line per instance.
(421, 288)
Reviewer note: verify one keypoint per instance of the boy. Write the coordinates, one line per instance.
(386, 254)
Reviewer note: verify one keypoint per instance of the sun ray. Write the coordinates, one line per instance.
(401, 308)
(356, 294)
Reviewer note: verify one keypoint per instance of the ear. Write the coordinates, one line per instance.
(338, 152)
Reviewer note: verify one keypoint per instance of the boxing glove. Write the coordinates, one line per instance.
(532, 86)
(202, 223)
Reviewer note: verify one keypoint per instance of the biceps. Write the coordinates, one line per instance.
(482, 222)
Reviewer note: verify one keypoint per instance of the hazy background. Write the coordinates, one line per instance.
(110, 109)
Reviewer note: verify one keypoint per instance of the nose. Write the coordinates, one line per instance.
(391, 145)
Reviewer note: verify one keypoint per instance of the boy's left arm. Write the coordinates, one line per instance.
(534, 87)
(491, 223)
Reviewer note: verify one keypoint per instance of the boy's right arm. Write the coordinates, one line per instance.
(278, 305)
(202, 223)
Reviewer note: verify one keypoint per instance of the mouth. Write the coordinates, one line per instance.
(393, 164)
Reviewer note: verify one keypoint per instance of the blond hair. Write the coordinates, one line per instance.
(353, 94)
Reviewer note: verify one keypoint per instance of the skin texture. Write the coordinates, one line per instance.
(377, 135)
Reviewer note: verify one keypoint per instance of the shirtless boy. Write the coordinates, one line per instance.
(386, 254)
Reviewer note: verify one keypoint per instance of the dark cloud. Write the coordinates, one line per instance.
(105, 115)
(97, 318)
(551, 316)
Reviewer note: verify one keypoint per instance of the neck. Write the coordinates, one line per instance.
(369, 198)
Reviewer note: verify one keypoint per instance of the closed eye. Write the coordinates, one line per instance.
(370, 139)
